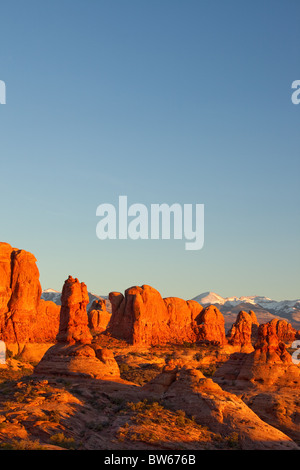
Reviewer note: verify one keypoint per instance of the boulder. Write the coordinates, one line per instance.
(78, 360)
(98, 316)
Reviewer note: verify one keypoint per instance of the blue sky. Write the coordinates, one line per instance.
(162, 101)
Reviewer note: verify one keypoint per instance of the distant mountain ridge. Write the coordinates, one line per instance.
(264, 307)
(55, 296)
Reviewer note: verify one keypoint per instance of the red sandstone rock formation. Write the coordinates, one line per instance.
(183, 319)
(5, 280)
(268, 347)
(136, 316)
(211, 326)
(23, 316)
(241, 332)
(73, 317)
(46, 326)
(267, 379)
(284, 330)
(22, 291)
(99, 317)
(269, 363)
(74, 355)
(143, 317)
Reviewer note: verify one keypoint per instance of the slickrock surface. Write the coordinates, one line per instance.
(223, 412)
(267, 380)
(78, 360)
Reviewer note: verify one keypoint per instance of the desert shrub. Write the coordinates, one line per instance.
(180, 418)
(28, 393)
(10, 374)
(151, 422)
(124, 368)
(139, 375)
(144, 405)
(61, 440)
(208, 371)
(233, 440)
(188, 345)
(23, 444)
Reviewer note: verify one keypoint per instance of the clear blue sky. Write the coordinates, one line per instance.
(162, 101)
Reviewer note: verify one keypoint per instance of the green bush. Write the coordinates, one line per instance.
(61, 440)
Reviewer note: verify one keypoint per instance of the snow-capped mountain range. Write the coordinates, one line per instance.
(55, 296)
(264, 302)
(264, 307)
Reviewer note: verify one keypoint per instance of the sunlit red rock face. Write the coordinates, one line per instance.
(73, 317)
(74, 355)
(182, 388)
(99, 317)
(78, 360)
(46, 326)
(269, 347)
(284, 330)
(139, 317)
(243, 331)
(211, 326)
(269, 363)
(183, 319)
(143, 317)
(23, 316)
(267, 379)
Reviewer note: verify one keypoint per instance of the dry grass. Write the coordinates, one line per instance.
(154, 424)
(139, 375)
